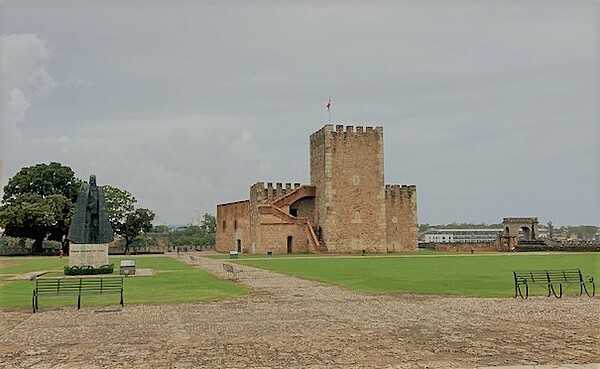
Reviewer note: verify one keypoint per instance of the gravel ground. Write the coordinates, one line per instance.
(288, 322)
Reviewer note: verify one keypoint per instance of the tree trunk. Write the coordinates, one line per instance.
(36, 248)
(65, 246)
(127, 242)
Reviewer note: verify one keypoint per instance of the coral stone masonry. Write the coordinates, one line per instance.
(346, 208)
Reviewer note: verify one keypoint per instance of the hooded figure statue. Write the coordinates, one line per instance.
(90, 223)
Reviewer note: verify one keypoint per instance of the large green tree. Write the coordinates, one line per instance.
(126, 221)
(38, 203)
(33, 216)
(43, 180)
(140, 220)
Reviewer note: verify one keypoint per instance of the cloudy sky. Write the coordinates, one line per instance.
(490, 107)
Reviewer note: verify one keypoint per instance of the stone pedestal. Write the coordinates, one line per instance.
(88, 254)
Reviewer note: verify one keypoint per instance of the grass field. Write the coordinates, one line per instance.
(173, 282)
(466, 275)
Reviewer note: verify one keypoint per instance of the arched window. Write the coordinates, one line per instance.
(224, 225)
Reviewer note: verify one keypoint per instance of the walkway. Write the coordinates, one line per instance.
(292, 323)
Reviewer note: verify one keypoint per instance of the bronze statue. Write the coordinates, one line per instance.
(90, 223)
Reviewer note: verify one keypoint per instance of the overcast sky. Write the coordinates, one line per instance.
(490, 107)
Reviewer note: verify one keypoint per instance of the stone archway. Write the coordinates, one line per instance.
(521, 228)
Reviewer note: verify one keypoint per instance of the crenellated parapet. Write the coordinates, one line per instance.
(341, 130)
(398, 192)
(261, 193)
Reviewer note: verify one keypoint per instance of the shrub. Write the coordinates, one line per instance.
(89, 270)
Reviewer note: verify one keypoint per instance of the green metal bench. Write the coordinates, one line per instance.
(550, 278)
(76, 287)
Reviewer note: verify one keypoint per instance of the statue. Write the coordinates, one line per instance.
(90, 223)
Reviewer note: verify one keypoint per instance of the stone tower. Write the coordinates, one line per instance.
(346, 168)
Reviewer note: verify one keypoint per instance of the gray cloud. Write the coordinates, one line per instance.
(489, 107)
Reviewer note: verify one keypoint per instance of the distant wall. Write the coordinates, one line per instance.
(10, 246)
(148, 243)
(233, 224)
(574, 246)
(467, 247)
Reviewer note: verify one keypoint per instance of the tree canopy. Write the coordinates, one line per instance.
(126, 221)
(202, 235)
(43, 180)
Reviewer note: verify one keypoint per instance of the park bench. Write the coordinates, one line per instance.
(550, 278)
(231, 271)
(76, 286)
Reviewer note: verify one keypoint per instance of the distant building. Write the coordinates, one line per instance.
(462, 235)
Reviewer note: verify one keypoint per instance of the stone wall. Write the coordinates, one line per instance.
(467, 247)
(401, 217)
(320, 143)
(305, 208)
(348, 175)
(233, 224)
(273, 237)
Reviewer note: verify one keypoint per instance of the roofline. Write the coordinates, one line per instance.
(233, 202)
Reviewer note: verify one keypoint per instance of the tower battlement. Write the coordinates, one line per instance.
(395, 191)
(271, 190)
(346, 130)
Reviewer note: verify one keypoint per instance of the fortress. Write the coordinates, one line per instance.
(346, 208)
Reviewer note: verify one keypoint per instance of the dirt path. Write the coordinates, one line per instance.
(293, 323)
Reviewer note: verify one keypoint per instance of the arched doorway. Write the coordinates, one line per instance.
(525, 233)
(290, 242)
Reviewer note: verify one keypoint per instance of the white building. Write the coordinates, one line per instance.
(462, 235)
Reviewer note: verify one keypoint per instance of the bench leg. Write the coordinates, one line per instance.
(560, 290)
(593, 289)
(122, 303)
(518, 290)
(33, 301)
(78, 301)
(37, 307)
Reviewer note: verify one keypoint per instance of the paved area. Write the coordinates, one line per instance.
(27, 276)
(293, 323)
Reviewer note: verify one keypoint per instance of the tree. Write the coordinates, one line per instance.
(202, 235)
(44, 180)
(32, 216)
(140, 220)
(119, 203)
(126, 221)
(54, 188)
(209, 228)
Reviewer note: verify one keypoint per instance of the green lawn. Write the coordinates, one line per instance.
(173, 282)
(466, 275)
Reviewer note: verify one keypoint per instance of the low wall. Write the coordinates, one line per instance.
(149, 243)
(467, 247)
(10, 246)
(551, 245)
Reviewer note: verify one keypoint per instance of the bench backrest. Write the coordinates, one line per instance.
(540, 276)
(76, 286)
